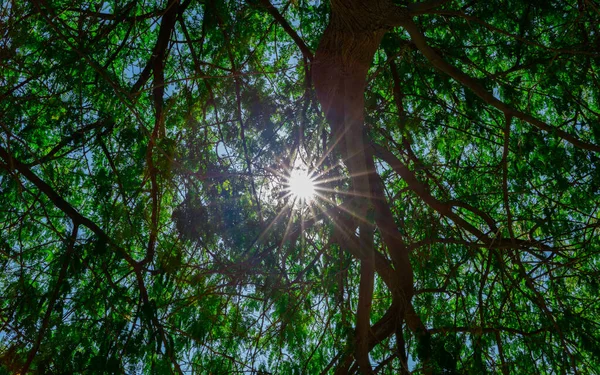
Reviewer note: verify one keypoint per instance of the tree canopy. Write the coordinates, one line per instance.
(147, 224)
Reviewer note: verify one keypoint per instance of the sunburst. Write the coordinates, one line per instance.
(301, 185)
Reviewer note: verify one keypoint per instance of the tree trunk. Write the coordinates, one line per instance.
(340, 71)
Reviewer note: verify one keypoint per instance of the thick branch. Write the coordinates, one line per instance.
(155, 62)
(384, 218)
(381, 330)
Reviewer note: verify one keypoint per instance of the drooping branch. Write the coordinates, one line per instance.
(422, 190)
(505, 152)
(398, 96)
(575, 50)
(157, 64)
(445, 208)
(437, 61)
(11, 163)
(212, 6)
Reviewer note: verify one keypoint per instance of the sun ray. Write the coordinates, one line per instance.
(340, 178)
(349, 193)
(330, 149)
(287, 227)
(347, 210)
(265, 231)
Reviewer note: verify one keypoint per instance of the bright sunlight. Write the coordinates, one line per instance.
(301, 185)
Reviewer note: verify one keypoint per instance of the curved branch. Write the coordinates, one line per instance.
(436, 60)
(445, 208)
(77, 218)
(422, 190)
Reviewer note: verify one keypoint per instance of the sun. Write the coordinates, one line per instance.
(301, 185)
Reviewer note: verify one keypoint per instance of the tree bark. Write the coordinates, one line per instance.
(340, 68)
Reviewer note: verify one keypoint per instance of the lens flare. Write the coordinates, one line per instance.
(301, 185)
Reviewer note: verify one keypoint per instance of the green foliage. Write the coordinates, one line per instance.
(156, 236)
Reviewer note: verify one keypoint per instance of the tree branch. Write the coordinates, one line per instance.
(61, 277)
(156, 62)
(365, 299)
(74, 137)
(288, 29)
(436, 60)
(422, 190)
(60, 203)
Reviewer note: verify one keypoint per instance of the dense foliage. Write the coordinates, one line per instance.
(144, 220)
